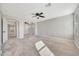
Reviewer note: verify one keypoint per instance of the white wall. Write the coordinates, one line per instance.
(32, 28)
(26, 28)
(59, 27)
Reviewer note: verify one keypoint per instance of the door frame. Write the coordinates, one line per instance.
(1, 31)
(15, 27)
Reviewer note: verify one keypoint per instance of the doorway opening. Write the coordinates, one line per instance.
(12, 30)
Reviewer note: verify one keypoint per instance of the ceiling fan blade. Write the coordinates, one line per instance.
(26, 23)
(41, 13)
(42, 16)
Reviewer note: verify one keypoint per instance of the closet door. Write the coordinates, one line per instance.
(76, 30)
(0, 32)
(3, 30)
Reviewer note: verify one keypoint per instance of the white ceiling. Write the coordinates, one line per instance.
(25, 10)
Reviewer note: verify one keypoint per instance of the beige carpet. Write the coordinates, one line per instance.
(25, 47)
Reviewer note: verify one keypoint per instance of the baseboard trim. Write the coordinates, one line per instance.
(54, 37)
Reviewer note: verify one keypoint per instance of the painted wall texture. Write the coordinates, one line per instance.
(59, 27)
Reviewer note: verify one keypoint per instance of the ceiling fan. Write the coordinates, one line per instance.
(26, 23)
(39, 15)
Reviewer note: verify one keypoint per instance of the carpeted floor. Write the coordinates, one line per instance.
(26, 47)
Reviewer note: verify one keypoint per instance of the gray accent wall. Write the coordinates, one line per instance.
(59, 27)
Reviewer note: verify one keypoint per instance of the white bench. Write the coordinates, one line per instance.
(43, 49)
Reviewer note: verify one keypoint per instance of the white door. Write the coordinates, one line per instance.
(76, 30)
(0, 33)
(5, 29)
